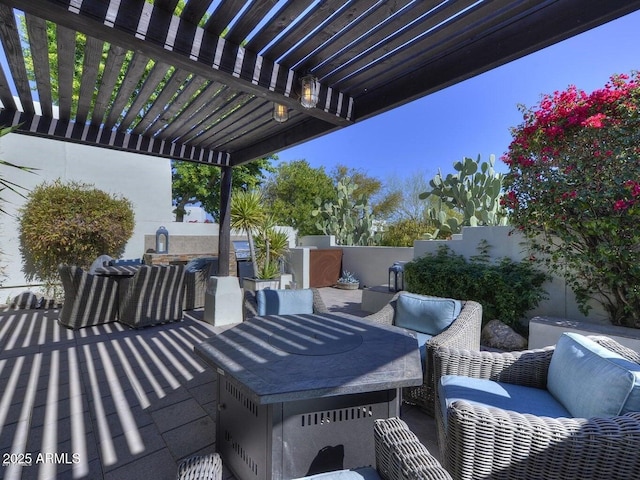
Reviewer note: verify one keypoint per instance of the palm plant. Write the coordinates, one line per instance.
(247, 214)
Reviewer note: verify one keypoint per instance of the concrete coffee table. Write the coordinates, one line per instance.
(298, 394)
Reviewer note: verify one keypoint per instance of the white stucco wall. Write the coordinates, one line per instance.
(143, 179)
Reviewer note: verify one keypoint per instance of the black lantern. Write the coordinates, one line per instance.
(162, 240)
(396, 277)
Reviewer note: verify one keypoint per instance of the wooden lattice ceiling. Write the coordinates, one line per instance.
(200, 84)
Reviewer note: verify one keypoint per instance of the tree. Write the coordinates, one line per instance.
(573, 189)
(248, 214)
(193, 183)
(383, 202)
(291, 194)
(71, 223)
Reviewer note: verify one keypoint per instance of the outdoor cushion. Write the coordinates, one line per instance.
(423, 338)
(590, 380)
(126, 261)
(200, 263)
(506, 396)
(284, 302)
(429, 315)
(365, 473)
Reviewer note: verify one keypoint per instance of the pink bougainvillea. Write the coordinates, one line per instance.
(573, 187)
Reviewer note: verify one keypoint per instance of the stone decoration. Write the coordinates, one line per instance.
(499, 336)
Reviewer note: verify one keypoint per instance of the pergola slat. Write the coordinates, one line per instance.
(113, 66)
(194, 113)
(300, 32)
(249, 20)
(90, 135)
(134, 73)
(395, 33)
(217, 101)
(476, 22)
(355, 11)
(11, 43)
(222, 16)
(169, 90)
(5, 92)
(182, 101)
(66, 40)
(90, 64)
(229, 109)
(39, 46)
(276, 25)
(369, 22)
(144, 95)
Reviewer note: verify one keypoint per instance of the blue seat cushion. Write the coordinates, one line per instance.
(365, 473)
(423, 338)
(430, 315)
(592, 381)
(506, 396)
(284, 302)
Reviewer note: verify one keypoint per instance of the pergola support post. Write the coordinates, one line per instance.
(224, 242)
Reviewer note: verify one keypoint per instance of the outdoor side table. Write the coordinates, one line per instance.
(299, 394)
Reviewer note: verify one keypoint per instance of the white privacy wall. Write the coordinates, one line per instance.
(143, 179)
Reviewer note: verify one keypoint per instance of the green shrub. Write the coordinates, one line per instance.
(506, 289)
(71, 223)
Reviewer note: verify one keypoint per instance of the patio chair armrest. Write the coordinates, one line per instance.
(528, 367)
(465, 330)
(386, 314)
(527, 446)
(400, 455)
(318, 304)
(250, 304)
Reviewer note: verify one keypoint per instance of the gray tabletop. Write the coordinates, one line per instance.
(294, 357)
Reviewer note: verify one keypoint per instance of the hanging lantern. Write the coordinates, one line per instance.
(396, 277)
(310, 91)
(280, 113)
(162, 240)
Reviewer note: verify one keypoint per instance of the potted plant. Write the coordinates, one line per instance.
(348, 281)
(267, 245)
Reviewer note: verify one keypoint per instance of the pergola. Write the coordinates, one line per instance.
(200, 84)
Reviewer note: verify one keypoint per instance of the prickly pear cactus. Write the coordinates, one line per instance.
(349, 218)
(473, 193)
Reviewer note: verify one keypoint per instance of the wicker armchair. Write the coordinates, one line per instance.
(88, 299)
(399, 456)
(153, 295)
(251, 305)
(464, 332)
(196, 276)
(484, 443)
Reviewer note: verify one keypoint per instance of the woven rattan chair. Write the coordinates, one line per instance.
(88, 299)
(464, 332)
(399, 456)
(153, 295)
(196, 276)
(201, 467)
(484, 443)
(251, 305)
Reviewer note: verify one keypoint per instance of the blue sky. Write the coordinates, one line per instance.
(474, 117)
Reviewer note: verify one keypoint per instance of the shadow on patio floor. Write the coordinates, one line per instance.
(109, 402)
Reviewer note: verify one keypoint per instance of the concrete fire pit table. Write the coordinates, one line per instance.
(298, 394)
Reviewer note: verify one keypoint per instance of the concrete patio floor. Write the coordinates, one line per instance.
(109, 402)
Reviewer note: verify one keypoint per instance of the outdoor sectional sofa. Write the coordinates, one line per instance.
(569, 411)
